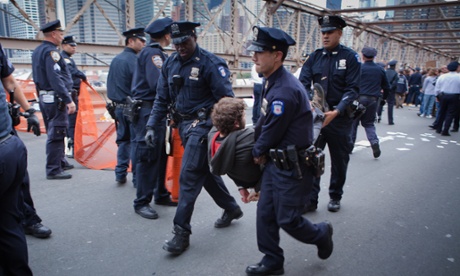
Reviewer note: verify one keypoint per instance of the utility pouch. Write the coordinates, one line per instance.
(60, 104)
(282, 157)
(131, 110)
(294, 160)
(13, 109)
(274, 158)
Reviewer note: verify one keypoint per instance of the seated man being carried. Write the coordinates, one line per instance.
(230, 146)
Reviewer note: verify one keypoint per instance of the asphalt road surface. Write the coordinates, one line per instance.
(399, 216)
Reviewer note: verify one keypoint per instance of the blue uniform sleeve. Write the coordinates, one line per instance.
(153, 67)
(306, 74)
(352, 80)
(162, 99)
(219, 79)
(275, 125)
(385, 85)
(56, 75)
(6, 67)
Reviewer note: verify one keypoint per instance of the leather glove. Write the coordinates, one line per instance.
(150, 137)
(32, 122)
(383, 102)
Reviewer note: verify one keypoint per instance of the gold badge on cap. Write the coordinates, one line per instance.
(194, 73)
(256, 33)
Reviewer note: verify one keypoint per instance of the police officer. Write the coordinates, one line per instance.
(286, 121)
(392, 77)
(13, 168)
(192, 80)
(119, 81)
(69, 46)
(415, 82)
(337, 68)
(373, 80)
(53, 83)
(151, 162)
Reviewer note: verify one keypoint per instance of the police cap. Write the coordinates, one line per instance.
(159, 27)
(392, 62)
(331, 22)
(369, 52)
(381, 64)
(181, 31)
(453, 66)
(70, 39)
(270, 39)
(135, 32)
(417, 69)
(52, 26)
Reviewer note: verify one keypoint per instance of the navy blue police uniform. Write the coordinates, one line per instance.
(286, 119)
(53, 83)
(392, 78)
(77, 77)
(119, 82)
(415, 83)
(13, 167)
(338, 71)
(151, 162)
(205, 78)
(373, 80)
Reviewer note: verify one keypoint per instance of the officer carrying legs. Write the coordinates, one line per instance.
(337, 68)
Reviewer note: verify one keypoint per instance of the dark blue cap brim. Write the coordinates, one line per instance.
(179, 40)
(328, 29)
(255, 48)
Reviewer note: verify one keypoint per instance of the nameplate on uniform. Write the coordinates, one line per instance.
(48, 99)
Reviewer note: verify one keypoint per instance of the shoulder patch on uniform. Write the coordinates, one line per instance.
(55, 56)
(277, 108)
(358, 58)
(157, 60)
(222, 71)
(67, 60)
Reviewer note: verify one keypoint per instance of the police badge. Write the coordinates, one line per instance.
(175, 29)
(194, 73)
(256, 32)
(342, 64)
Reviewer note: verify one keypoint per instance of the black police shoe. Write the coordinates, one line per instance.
(61, 175)
(68, 167)
(333, 206)
(326, 246)
(180, 241)
(121, 180)
(310, 207)
(227, 218)
(260, 269)
(37, 230)
(376, 150)
(166, 202)
(146, 212)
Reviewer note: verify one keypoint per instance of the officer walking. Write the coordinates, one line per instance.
(373, 80)
(54, 84)
(13, 166)
(151, 162)
(337, 68)
(119, 81)
(393, 79)
(284, 128)
(192, 80)
(69, 46)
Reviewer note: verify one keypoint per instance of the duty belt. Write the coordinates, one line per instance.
(121, 105)
(368, 97)
(147, 104)
(3, 139)
(44, 92)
